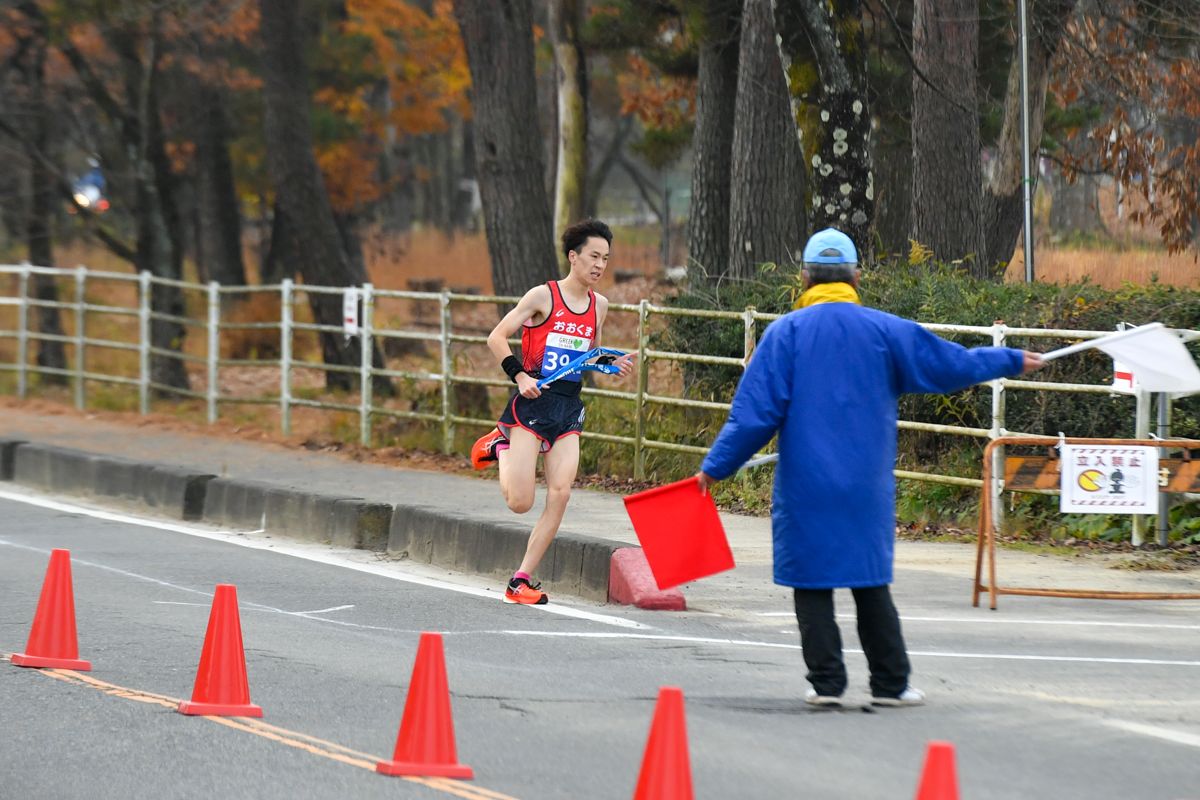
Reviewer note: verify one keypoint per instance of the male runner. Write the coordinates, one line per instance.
(559, 321)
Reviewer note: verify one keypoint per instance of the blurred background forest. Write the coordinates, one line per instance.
(427, 144)
(443, 144)
(142, 133)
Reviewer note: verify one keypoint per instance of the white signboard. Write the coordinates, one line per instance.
(350, 312)
(1109, 479)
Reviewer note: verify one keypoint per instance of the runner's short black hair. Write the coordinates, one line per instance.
(576, 236)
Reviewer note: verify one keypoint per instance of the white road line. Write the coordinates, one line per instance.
(784, 646)
(76, 561)
(321, 610)
(1178, 737)
(242, 539)
(254, 606)
(993, 620)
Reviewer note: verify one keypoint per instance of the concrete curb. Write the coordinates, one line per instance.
(8, 455)
(173, 490)
(582, 566)
(331, 519)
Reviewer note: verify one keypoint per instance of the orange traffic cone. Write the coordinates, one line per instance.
(221, 688)
(938, 779)
(666, 771)
(52, 639)
(425, 745)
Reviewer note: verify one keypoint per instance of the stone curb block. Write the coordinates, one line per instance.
(575, 565)
(632, 583)
(175, 490)
(8, 455)
(294, 513)
(360, 523)
(581, 566)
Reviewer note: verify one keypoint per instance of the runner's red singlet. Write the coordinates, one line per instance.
(563, 336)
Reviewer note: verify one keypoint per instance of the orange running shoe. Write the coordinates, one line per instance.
(483, 452)
(524, 593)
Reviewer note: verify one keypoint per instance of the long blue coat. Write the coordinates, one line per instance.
(828, 378)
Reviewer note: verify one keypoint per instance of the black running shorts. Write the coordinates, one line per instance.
(548, 417)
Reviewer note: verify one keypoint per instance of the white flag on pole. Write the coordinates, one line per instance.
(1158, 360)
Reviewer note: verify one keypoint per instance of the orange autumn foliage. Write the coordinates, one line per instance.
(657, 100)
(420, 59)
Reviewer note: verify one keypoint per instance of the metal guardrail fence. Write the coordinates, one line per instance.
(444, 338)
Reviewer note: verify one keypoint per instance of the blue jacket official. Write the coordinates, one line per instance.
(827, 378)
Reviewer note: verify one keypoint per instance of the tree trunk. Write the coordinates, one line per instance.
(315, 242)
(947, 189)
(50, 354)
(278, 261)
(498, 35)
(219, 234)
(464, 160)
(434, 196)
(570, 177)
(1074, 206)
(825, 61)
(766, 205)
(1003, 198)
(159, 228)
(712, 142)
(893, 189)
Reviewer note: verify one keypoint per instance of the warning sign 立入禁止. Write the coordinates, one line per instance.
(1109, 479)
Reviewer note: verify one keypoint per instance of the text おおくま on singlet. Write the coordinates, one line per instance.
(559, 339)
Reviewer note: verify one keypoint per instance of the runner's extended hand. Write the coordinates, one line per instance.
(625, 364)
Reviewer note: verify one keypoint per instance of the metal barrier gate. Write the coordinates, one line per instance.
(1041, 474)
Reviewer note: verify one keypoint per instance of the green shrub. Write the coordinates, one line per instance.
(938, 293)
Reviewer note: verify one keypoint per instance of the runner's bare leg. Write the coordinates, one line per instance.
(561, 463)
(518, 469)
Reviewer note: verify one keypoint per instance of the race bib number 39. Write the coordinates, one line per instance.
(561, 350)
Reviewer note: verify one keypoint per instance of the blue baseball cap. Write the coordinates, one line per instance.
(830, 246)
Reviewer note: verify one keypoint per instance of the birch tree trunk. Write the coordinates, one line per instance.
(824, 58)
(570, 176)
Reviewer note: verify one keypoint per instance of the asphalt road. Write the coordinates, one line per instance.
(1045, 698)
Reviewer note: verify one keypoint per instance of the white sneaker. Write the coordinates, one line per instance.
(909, 697)
(813, 699)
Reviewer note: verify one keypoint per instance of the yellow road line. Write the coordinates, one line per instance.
(295, 739)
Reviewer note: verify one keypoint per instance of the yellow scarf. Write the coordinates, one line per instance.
(828, 293)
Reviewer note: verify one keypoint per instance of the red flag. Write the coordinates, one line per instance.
(680, 532)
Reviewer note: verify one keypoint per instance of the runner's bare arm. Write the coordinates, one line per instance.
(535, 305)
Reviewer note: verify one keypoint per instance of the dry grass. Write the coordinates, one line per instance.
(462, 264)
(1121, 252)
(1109, 268)
(459, 263)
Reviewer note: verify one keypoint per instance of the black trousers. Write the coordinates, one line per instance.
(878, 630)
